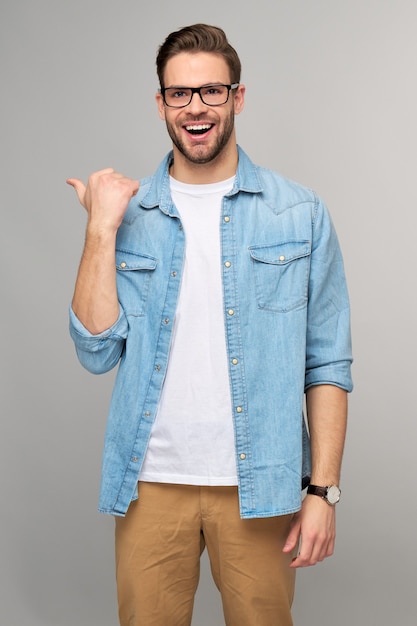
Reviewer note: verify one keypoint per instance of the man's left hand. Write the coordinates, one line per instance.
(315, 526)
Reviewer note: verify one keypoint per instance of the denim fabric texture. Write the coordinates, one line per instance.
(287, 326)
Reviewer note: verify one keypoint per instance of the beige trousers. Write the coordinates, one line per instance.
(158, 549)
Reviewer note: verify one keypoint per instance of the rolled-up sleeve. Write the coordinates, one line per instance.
(99, 353)
(329, 349)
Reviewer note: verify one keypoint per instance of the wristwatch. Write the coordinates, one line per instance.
(331, 493)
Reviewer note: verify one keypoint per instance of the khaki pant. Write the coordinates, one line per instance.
(158, 548)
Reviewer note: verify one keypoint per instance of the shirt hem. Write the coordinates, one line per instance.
(200, 481)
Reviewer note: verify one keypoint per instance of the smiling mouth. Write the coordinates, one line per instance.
(198, 129)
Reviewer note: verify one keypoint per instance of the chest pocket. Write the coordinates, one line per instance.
(281, 275)
(134, 274)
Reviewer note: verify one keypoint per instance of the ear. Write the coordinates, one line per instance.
(239, 99)
(161, 107)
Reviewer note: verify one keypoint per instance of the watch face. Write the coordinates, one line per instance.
(333, 494)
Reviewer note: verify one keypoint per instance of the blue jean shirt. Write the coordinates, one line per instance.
(287, 326)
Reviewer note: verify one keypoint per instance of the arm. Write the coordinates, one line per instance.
(328, 379)
(315, 523)
(105, 198)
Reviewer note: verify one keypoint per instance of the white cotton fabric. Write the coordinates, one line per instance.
(192, 439)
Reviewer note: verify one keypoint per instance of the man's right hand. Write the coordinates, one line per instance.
(105, 197)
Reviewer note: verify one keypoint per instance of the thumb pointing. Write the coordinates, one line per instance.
(79, 188)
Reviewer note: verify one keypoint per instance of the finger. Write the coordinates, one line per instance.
(79, 188)
(293, 537)
(111, 174)
(135, 188)
(303, 559)
(106, 170)
(95, 177)
(313, 551)
(133, 183)
(129, 183)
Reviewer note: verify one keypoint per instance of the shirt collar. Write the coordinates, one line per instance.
(246, 180)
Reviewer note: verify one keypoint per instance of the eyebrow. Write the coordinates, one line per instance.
(217, 83)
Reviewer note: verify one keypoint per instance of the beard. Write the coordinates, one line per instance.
(200, 154)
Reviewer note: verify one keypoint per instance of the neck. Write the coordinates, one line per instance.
(222, 167)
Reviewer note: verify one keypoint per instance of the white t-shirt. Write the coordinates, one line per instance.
(192, 439)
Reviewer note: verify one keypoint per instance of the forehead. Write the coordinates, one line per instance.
(192, 69)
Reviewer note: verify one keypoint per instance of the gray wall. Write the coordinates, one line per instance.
(331, 102)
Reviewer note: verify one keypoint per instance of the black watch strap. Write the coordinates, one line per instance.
(314, 490)
(331, 493)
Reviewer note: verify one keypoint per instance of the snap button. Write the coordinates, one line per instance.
(227, 264)
(231, 312)
(227, 218)
(239, 409)
(123, 264)
(235, 361)
(242, 456)
(282, 257)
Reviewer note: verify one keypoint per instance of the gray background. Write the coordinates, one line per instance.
(331, 102)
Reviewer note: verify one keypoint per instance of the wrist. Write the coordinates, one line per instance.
(329, 493)
(100, 234)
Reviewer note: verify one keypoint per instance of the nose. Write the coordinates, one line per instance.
(196, 104)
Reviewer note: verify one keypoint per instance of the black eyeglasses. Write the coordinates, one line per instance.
(212, 95)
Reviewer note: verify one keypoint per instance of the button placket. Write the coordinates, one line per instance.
(230, 273)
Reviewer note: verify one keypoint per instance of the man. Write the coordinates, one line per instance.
(218, 288)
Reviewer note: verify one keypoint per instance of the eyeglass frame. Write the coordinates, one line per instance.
(198, 90)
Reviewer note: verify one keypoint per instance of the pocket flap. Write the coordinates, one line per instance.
(128, 261)
(280, 253)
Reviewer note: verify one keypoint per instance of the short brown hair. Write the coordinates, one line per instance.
(198, 38)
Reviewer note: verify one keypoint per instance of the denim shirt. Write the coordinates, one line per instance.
(287, 327)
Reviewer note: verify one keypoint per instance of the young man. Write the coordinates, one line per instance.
(218, 288)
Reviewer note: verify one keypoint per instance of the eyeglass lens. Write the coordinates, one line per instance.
(213, 95)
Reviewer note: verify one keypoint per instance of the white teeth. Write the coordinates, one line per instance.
(199, 127)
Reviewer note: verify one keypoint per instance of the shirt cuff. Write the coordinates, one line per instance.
(119, 328)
